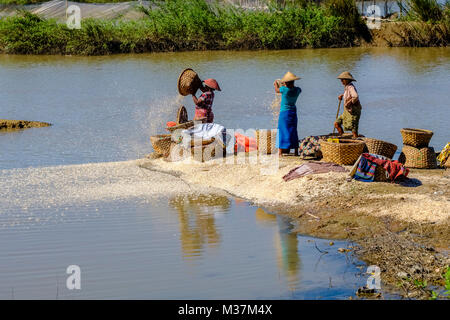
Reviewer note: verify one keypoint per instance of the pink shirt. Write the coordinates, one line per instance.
(350, 94)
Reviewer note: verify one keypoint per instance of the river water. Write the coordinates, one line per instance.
(73, 194)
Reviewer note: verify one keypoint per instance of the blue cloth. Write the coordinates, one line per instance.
(366, 170)
(287, 137)
(289, 97)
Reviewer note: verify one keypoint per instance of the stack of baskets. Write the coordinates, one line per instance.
(346, 152)
(416, 153)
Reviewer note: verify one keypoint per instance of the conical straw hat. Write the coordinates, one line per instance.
(289, 76)
(346, 75)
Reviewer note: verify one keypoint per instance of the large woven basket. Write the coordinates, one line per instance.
(343, 136)
(266, 141)
(380, 147)
(204, 152)
(345, 152)
(161, 143)
(416, 137)
(422, 158)
(188, 82)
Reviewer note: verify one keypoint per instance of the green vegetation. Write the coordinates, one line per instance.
(425, 10)
(446, 294)
(426, 23)
(23, 2)
(447, 281)
(175, 25)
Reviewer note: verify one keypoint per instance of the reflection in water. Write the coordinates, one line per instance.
(416, 60)
(265, 219)
(286, 245)
(197, 222)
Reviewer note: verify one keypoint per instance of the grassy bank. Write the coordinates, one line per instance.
(178, 25)
(189, 25)
(425, 23)
(24, 2)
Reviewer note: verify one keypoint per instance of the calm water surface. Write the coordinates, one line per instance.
(105, 108)
(69, 195)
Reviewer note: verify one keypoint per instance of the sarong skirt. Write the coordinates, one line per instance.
(287, 137)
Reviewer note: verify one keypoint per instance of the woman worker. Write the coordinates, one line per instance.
(352, 107)
(287, 137)
(203, 105)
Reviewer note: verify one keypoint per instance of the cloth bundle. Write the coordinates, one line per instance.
(206, 131)
(444, 155)
(310, 147)
(367, 164)
(312, 168)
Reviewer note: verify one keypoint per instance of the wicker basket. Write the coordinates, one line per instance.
(202, 152)
(161, 143)
(381, 174)
(343, 136)
(182, 115)
(183, 126)
(423, 158)
(266, 141)
(188, 82)
(345, 152)
(380, 147)
(207, 151)
(416, 137)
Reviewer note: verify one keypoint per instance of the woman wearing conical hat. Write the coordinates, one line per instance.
(203, 104)
(287, 137)
(349, 119)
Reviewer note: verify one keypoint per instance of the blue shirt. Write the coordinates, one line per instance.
(289, 97)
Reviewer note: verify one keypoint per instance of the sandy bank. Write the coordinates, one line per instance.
(425, 198)
(21, 124)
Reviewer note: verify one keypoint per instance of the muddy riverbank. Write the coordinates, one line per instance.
(403, 228)
(6, 125)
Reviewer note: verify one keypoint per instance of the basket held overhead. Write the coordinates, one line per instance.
(416, 137)
(188, 82)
